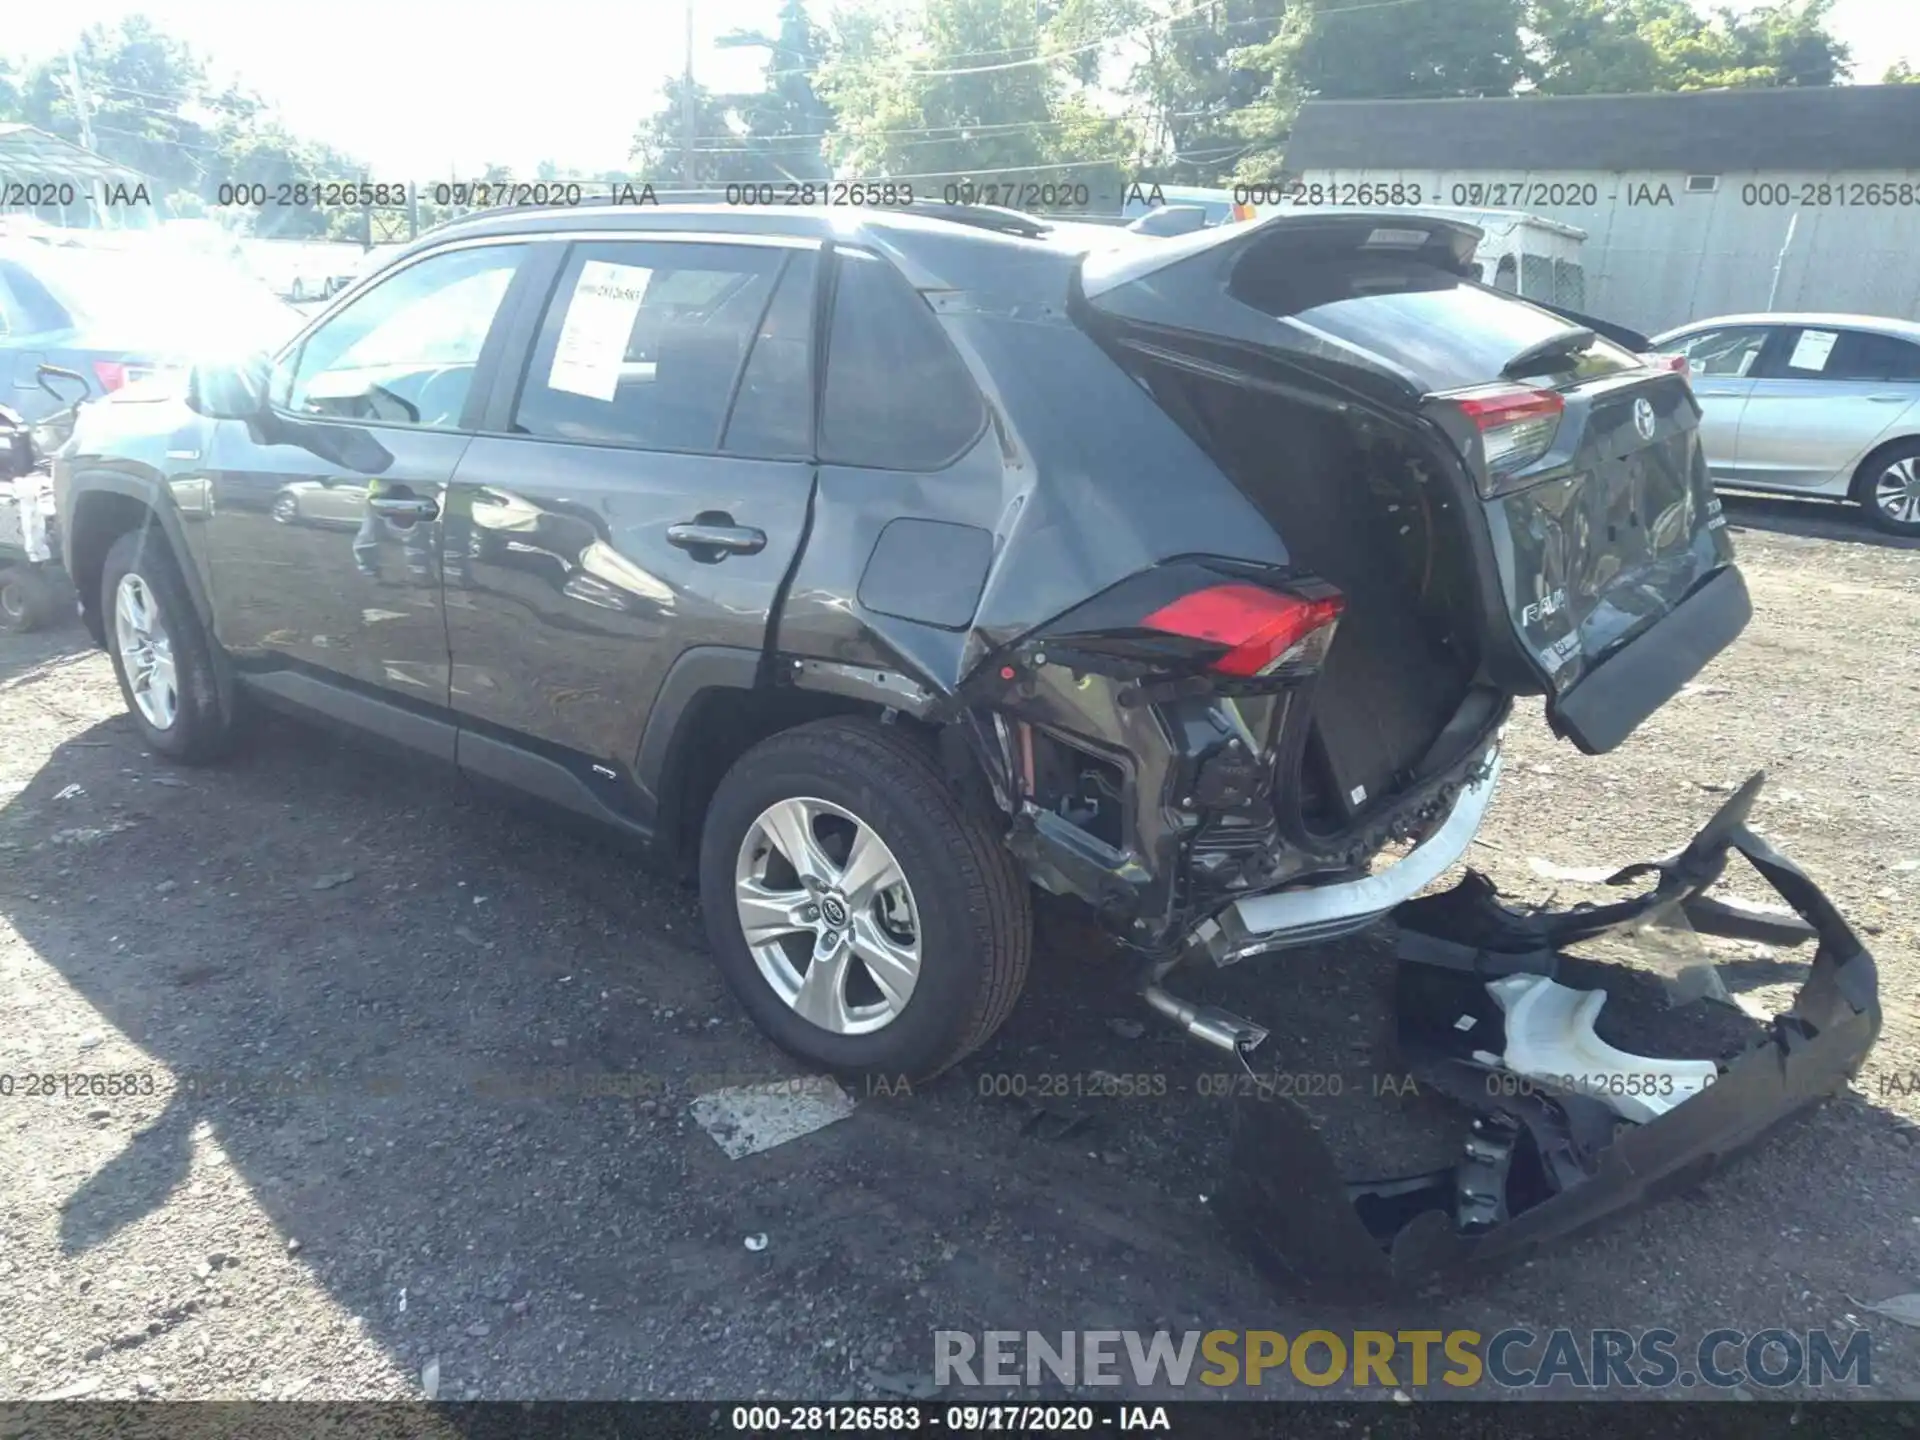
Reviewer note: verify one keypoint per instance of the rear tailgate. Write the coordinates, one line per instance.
(1601, 532)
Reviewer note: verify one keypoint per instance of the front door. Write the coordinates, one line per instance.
(641, 491)
(325, 532)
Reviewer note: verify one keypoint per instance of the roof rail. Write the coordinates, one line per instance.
(981, 217)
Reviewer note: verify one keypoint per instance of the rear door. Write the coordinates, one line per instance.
(1822, 397)
(1722, 362)
(642, 488)
(1604, 529)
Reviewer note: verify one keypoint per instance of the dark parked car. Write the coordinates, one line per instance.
(878, 567)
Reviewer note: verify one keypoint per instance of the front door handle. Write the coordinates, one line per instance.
(1718, 394)
(729, 539)
(404, 507)
(1888, 399)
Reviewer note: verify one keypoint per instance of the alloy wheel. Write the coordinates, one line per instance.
(1897, 491)
(146, 651)
(828, 915)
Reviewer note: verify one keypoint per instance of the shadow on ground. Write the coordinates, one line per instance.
(1815, 519)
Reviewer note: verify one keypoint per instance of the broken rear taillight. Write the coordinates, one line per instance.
(1261, 630)
(1517, 425)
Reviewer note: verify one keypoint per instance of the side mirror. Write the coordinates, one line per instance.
(231, 390)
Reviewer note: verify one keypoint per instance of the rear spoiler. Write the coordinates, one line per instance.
(1619, 334)
(1205, 259)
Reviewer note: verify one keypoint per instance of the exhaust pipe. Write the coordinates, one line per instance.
(1220, 1028)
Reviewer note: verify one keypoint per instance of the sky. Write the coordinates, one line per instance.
(441, 88)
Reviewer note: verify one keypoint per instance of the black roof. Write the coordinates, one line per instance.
(1823, 129)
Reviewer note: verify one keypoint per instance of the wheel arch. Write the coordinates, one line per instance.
(716, 704)
(1864, 472)
(102, 507)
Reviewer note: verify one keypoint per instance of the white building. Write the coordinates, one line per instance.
(1695, 204)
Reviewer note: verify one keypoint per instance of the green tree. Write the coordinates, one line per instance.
(1589, 47)
(11, 93)
(964, 89)
(786, 123)
(659, 145)
(1194, 82)
(1900, 73)
(1340, 50)
(141, 85)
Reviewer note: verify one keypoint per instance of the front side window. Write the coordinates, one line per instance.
(1728, 354)
(406, 352)
(646, 344)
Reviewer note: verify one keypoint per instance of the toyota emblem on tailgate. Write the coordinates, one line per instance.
(1643, 418)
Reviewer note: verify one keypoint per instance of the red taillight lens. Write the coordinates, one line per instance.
(1516, 423)
(1676, 363)
(1260, 628)
(111, 374)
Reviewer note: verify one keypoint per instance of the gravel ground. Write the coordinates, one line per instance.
(357, 1004)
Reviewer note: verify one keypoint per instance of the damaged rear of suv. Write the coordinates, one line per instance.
(1467, 499)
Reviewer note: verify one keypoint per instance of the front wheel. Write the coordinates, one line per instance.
(161, 654)
(1889, 486)
(869, 923)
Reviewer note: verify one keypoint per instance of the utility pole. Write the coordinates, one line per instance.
(80, 99)
(687, 110)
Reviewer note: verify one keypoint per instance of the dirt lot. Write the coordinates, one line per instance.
(358, 994)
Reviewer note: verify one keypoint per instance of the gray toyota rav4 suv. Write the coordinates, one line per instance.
(878, 567)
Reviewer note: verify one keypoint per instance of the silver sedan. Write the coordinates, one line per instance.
(1822, 405)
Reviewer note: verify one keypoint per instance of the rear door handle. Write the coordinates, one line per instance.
(730, 539)
(1888, 399)
(404, 507)
(1718, 394)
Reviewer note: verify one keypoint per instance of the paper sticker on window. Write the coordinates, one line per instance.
(1812, 351)
(599, 323)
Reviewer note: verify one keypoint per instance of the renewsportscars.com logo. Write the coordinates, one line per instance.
(1653, 1359)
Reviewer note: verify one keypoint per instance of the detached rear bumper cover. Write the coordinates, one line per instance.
(1539, 1165)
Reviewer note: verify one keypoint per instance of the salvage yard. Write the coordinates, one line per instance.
(359, 1007)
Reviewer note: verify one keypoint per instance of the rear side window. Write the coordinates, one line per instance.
(1846, 355)
(1444, 329)
(898, 396)
(644, 343)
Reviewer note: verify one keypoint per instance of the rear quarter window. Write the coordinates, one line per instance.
(1445, 330)
(898, 396)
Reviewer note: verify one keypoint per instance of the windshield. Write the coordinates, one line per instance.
(162, 299)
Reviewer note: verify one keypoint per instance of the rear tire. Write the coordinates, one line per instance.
(958, 904)
(161, 653)
(1888, 486)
